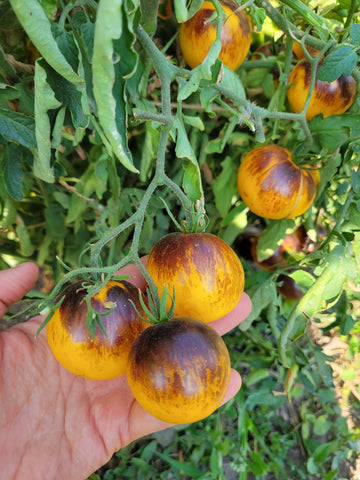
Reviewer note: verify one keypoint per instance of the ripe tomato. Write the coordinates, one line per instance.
(272, 186)
(179, 370)
(96, 357)
(299, 53)
(327, 98)
(207, 274)
(198, 34)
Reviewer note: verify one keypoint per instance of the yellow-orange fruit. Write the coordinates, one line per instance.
(206, 273)
(272, 186)
(327, 98)
(198, 34)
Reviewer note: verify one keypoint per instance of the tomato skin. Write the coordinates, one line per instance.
(197, 35)
(272, 186)
(299, 53)
(101, 357)
(207, 274)
(179, 370)
(327, 98)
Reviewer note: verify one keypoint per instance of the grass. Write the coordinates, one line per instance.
(283, 424)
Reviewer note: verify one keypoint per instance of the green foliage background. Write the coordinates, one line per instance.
(104, 132)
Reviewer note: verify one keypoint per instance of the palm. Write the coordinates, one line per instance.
(53, 422)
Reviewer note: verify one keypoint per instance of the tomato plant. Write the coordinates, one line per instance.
(108, 135)
(206, 273)
(197, 34)
(100, 352)
(272, 186)
(179, 370)
(328, 98)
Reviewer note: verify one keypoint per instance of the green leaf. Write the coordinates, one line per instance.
(225, 186)
(108, 79)
(231, 81)
(8, 92)
(185, 10)
(45, 100)
(200, 73)
(261, 294)
(149, 11)
(183, 149)
(256, 376)
(332, 132)
(26, 246)
(272, 237)
(355, 34)
(7, 71)
(38, 27)
(187, 468)
(340, 62)
(11, 167)
(17, 127)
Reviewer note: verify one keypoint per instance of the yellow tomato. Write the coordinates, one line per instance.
(272, 186)
(207, 274)
(198, 34)
(327, 98)
(97, 356)
(179, 370)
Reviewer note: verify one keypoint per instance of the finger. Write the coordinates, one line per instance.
(136, 277)
(15, 283)
(234, 386)
(236, 316)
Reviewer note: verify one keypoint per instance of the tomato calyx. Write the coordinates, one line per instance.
(48, 306)
(155, 308)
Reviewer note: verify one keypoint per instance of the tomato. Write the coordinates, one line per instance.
(293, 245)
(327, 98)
(98, 356)
(288, 288)
(179, 370)
(272, 186)
(207, 274)
(299, 52)
(198, 34)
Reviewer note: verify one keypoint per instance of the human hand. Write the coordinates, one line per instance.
(58, 425)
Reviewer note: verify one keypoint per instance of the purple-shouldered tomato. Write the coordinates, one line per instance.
(273, 186)
(97, 356)
(328, 98)
(206, 272)
(179, 370)
(197, 34)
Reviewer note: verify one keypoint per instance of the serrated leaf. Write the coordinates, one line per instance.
(107, 77)
(201, 72)
(17, 127)
(45, 100)
(335, 130)
(340, 62)
(38, 27)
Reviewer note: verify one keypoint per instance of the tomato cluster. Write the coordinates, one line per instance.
(179, 369)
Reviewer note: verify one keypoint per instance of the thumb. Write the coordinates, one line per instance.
(15, 283)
